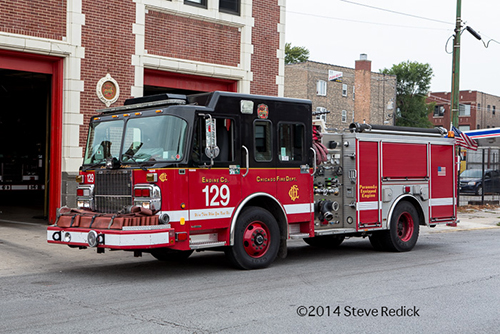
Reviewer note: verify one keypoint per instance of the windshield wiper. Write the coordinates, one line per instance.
(92, 166)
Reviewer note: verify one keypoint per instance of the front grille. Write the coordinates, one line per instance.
(113, 190)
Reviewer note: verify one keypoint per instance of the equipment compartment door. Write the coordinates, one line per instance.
(368, 194)
(443, 184)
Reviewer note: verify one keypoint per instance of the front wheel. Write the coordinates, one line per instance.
(256, 239)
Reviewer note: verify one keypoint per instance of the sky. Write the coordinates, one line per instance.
(338, 31)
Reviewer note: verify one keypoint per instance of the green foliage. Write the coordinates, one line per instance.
(413, 83)
(295, 54)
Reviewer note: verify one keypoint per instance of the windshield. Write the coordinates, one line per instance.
(472, 173)
(103, 142)
(158, 138)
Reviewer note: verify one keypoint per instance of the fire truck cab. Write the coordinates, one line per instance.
(169, 174)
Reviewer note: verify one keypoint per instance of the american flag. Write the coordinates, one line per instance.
(463, 140)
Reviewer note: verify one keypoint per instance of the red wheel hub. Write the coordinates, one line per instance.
(405, 227)
(256, 239)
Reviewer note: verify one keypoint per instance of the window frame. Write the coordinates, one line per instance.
(202, 4)
(268, 139)
(344, 90)
(229, 11)
(321, 86)
(343, 117)
(303, 153)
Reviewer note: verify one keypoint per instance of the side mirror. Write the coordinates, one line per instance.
(211, 150)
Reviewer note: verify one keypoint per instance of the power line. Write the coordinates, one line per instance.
(365, 22)
(396, 12)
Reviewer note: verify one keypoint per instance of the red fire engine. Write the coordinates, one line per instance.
(169, 174)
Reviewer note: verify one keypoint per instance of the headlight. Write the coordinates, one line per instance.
(92, 239)
(471, 183)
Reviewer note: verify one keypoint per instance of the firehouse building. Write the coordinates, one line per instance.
(60, 61)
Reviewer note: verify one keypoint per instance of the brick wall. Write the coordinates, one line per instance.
(180, 37)
(371, 102)
(109, 43)
(265, 40)
(363, 91)
(38, 18)
(383, 99)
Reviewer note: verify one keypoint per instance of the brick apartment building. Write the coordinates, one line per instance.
(478, 110)
(350, 94)
(61, 60)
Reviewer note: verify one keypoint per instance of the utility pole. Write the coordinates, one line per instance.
(455, 76)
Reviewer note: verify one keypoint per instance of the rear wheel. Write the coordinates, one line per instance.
(171, 255)
(403, 233)
(327, 241)
(256, 240)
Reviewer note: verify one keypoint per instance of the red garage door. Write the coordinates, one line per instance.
(26, 62)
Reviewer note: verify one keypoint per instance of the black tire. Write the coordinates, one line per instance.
(327, 241)
(377, 240)
(403, 233)
(256, 240)
(171, 255)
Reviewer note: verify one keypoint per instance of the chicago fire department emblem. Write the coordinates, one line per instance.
(294, 192)
(163, 177)
(262, 111)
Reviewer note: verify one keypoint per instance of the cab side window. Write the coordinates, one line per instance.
(291, 142)
(224, 128)
(262, 140)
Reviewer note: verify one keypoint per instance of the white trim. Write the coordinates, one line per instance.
(136, 239)
(362, 206)
(441, 201)
(298, 208)
(177, 215)
(203, 214)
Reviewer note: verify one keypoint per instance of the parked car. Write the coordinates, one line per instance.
(471, 181)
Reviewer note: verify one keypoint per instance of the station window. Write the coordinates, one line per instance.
(199, 3)
(291, 142)
(230, 6)
(344, 90)
(262, 141)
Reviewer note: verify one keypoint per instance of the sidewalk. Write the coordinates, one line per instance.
(472, 217)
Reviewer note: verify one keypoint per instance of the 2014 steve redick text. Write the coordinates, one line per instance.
(350, 311)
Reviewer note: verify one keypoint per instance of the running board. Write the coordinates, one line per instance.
(335, 231)
(202, 245)
(299, 235)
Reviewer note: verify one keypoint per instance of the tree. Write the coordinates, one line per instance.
(295, 54)
(413, 81)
